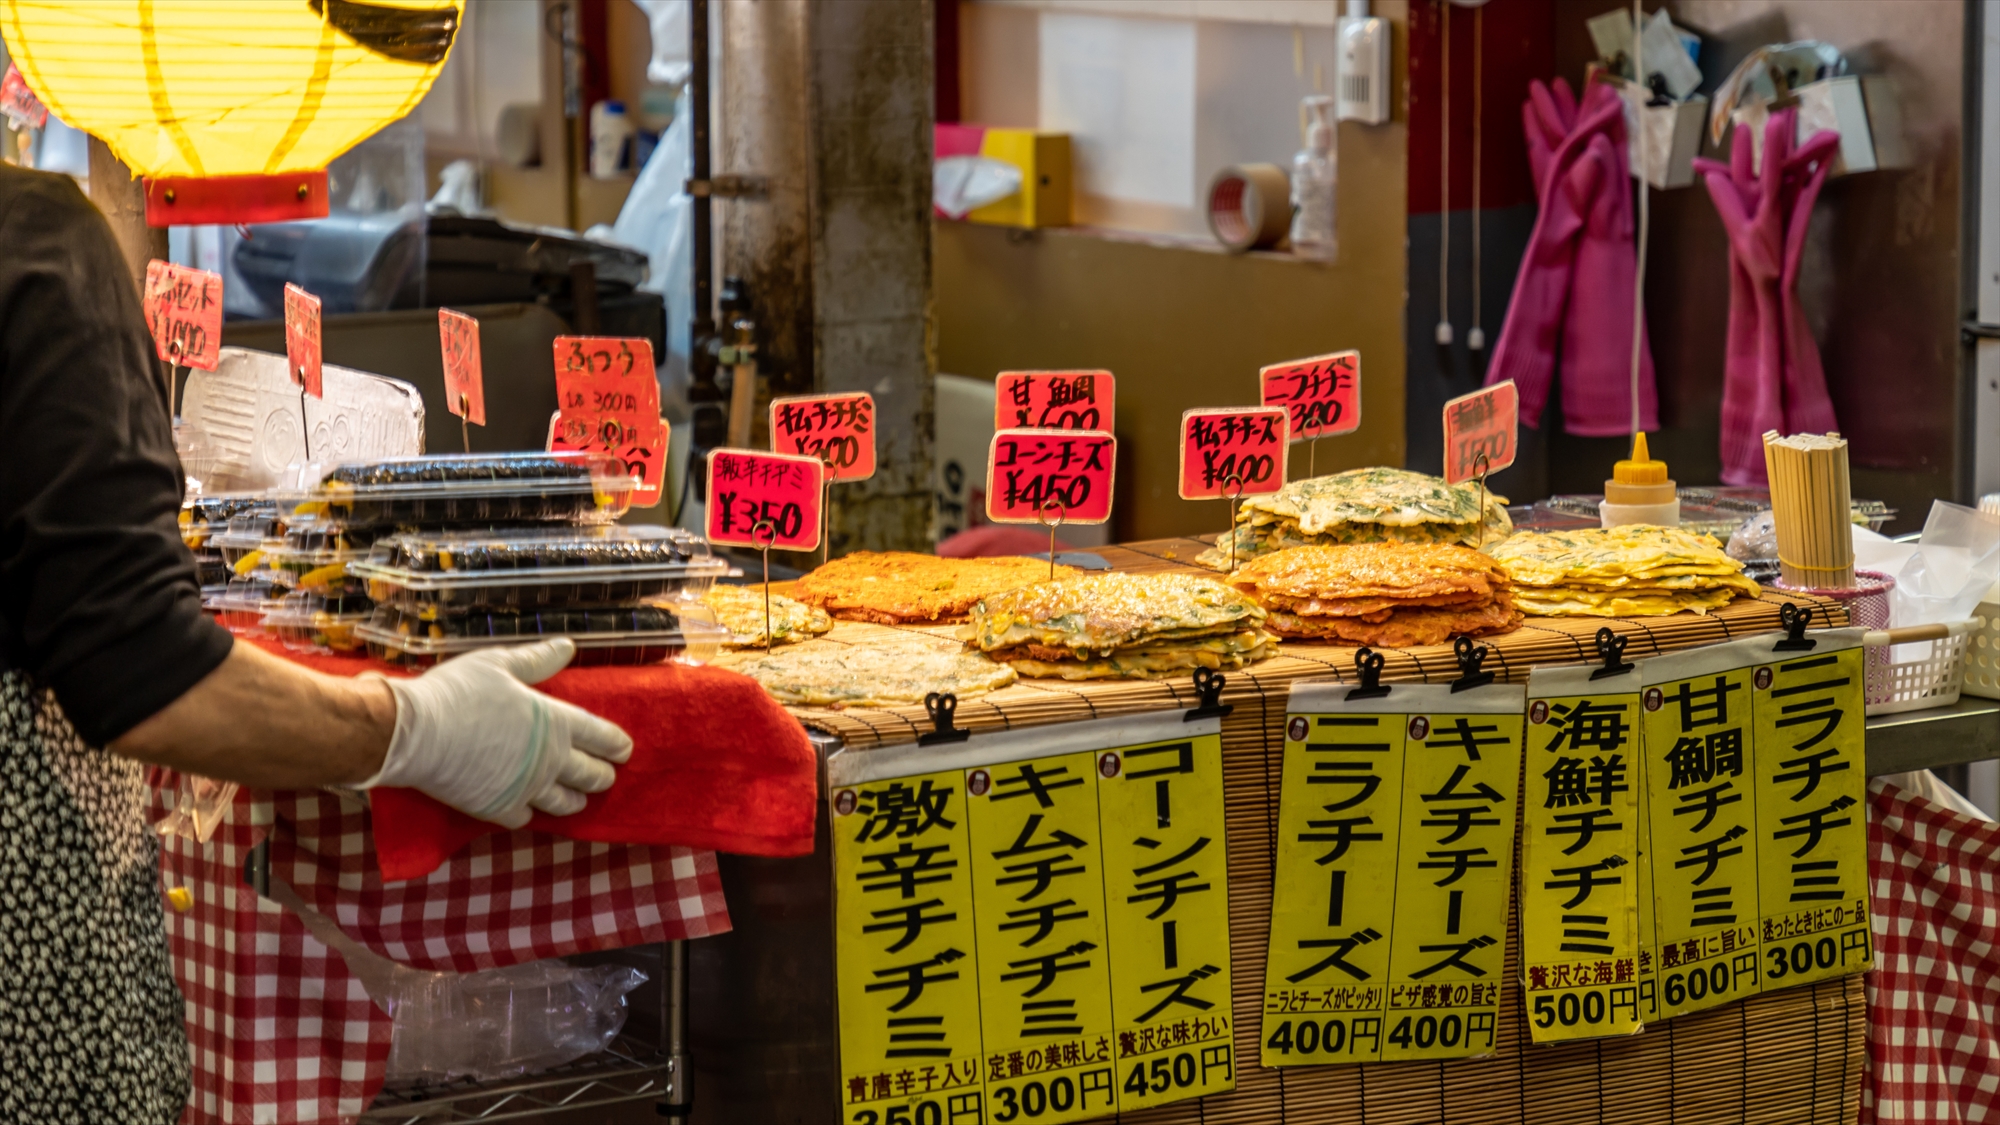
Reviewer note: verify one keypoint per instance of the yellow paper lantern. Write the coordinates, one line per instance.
(231, 109)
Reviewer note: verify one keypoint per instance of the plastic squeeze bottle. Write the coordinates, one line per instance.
(1639, 491)
(1313, 185)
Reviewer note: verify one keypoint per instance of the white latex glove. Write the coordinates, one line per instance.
(473, 734)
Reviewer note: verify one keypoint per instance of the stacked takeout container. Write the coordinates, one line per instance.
(422, 558)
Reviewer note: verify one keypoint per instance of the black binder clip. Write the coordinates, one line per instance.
(942, 706)
(1794, 621)
(1470, 657)
(1611, 647)
(1368, 665)
(1208, 685)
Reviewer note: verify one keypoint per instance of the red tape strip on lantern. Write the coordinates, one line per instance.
(227, 200)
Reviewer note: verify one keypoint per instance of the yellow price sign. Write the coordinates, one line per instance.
(1756, 830)
(1812, 782)
(1395, 853)
(1580, 869)
(1044, 956)
(909, 998)
(1033, 926)
(1166, 874)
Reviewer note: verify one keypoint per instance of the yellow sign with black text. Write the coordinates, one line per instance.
(1065, 892)
(1395, 854)
(1755, 778)
(1580, 885)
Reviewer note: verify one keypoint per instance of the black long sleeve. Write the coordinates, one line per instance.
(98, 595)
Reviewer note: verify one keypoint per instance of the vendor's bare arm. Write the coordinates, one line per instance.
(269, 723)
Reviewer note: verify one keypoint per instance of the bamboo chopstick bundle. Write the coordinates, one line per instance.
(1810, 504)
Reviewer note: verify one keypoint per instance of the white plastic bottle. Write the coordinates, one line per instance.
(1313, 179)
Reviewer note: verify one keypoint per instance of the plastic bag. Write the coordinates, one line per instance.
(1757, 538)
(1955, 565)
(200, 803)
(504, 1022)
(658, 219)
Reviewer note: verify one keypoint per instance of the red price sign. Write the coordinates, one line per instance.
(747, 488)
(1321, 395)
(1033, 476)
(1228, 452)
(1481, 422)
(464, 380)
(184, 314)
(644, 451)
(302, 341)
(20, 104)
(837, 429)
(605, 386)
(1053, 400)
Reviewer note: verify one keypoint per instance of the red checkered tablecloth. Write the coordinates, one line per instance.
(1933, 1051)
(282, 1031)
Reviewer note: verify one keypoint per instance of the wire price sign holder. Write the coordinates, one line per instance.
(1233, 452)
(1321, 396)
(303, 346)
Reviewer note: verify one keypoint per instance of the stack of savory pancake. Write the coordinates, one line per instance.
(1362, 506)
(886, 673)
(903, 588)
(1389, 594)
(1634, 571)
(1107, 626)
(741, 610)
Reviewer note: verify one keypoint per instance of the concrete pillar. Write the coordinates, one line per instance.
(831, 104)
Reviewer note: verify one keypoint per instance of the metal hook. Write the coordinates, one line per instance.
(1237, 480)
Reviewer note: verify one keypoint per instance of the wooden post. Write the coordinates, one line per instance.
(122, 198)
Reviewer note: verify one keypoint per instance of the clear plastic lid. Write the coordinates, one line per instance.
(308, 621)
(422, 560)
(488, 488)
(203, 518)
(634, 635)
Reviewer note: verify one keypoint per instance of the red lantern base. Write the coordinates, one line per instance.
(176, 201)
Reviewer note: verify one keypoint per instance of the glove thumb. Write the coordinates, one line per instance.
(531, 664)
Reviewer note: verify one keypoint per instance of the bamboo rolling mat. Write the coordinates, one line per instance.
(1792, 1057)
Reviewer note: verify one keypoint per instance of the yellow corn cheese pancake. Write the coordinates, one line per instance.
(1554, 603)
(825, 673)
(740, 609)
(1101, 612)
(1545, 558)
(901, 587)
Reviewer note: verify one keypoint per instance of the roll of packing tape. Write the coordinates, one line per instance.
(1250, 206)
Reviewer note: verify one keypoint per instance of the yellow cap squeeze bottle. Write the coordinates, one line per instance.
(1639, 491)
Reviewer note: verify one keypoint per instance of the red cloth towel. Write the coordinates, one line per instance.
(716, 765)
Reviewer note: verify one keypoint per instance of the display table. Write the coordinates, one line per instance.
(1791, 1056)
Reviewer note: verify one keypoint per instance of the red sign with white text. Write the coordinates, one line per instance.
(1037, 476)
(1228, 452)
(302, 340)
(605, 385)
(746, 488)
(18, 103)
(643, 449)
(1321, 395)
(1484, 421)
(1053, 400)
(464, 379)
(837, 429)
(183, 308)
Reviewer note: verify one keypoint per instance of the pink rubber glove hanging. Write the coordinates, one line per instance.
(1597, 332)
(1526, 352)
(1772, 378)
